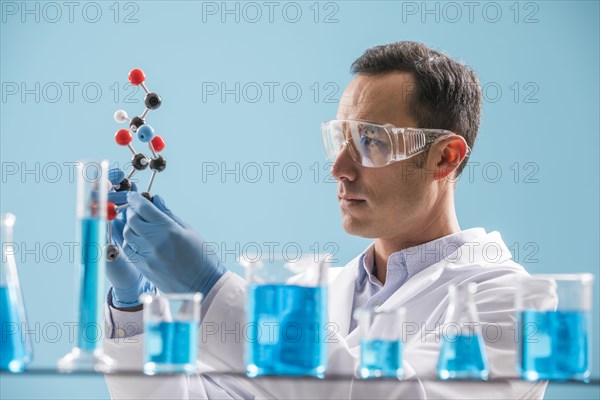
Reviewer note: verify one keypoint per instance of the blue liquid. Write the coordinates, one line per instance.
(13, 352)
(462, 357)
(380, 358)
(171, 346)
(91, 297)
(286, 330)
(554, 345)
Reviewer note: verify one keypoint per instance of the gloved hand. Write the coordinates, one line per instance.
(127, 281)
(173, 252)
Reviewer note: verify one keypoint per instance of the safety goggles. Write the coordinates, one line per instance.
(373, 145)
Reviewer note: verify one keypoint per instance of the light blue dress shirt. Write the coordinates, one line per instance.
(401, 266)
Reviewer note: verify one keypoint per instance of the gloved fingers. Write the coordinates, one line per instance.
(121, 272)
(116, 175)
(159, 202)
(138, 205)
(134, 244)
(117, 197)
(135, 259)
(127, 280)
(144, 228)
(117, 230)
(120, 197)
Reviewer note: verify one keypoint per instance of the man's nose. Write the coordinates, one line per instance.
(344, 166)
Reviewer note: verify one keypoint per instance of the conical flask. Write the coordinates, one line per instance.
(462, 353)
(15, 346)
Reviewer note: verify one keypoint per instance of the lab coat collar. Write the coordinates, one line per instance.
(412, 260)
(482, 249)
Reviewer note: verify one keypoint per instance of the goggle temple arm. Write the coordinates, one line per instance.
(418, 140)
(408, 142)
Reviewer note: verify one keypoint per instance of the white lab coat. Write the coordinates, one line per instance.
(486, 261)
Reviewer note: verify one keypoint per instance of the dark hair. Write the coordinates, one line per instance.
(447, 93)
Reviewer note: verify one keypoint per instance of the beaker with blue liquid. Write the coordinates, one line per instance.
(286, 315)
(171, 327)
(92, 190)
(381, 342)
(462, 351)
(554, 326)
(15, 346)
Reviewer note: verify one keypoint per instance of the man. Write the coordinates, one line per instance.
(396, 186)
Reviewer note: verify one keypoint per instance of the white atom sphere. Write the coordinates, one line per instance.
(121, 116)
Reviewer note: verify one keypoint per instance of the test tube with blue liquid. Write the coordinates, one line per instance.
(286, 314)
(381, 342)
(462, 352)
(15, 346)
(554, 320)
(171, 327)
(92, 189)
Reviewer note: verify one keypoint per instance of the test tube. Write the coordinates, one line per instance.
(92, 189)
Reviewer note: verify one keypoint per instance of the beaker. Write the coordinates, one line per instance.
(171, 325)
(462, 353)
(92, 189)
(554, 331)
(15, 346)
(286, 314)
(380, 342)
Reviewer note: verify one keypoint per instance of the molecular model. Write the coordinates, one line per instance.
(139, 161)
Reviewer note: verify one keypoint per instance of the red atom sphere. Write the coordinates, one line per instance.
(111, 211)
(123, 137)
(158, 144)
(136, 76)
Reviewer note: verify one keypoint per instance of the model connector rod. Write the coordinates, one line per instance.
(139, 162)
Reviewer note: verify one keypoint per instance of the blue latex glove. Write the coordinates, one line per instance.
(128, 283)
(175, 261)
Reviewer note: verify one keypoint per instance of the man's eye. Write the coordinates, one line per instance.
(369, 141)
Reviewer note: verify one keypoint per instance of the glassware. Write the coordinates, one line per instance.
(92, 189)
(554, 333)
(286, 315)
(171, 324)
(380, 342)
(15, 346)
(462, 353)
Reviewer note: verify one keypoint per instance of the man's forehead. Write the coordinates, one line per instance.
(378, 98)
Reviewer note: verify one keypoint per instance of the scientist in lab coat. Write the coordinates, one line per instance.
(394, 185)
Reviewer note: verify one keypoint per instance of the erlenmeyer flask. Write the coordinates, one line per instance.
(462, 354)
(15, 346)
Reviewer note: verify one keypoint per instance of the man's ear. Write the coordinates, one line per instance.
(451, 152)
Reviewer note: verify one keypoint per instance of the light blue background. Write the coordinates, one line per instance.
(550, 224)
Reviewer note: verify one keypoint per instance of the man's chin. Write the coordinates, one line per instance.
(355, 227)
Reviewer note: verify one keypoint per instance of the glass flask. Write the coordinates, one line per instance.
(462, 353)
(15, 346)
(554, 331)
(380, 342)
(286, 315)
(171, 325)
(92, 190)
